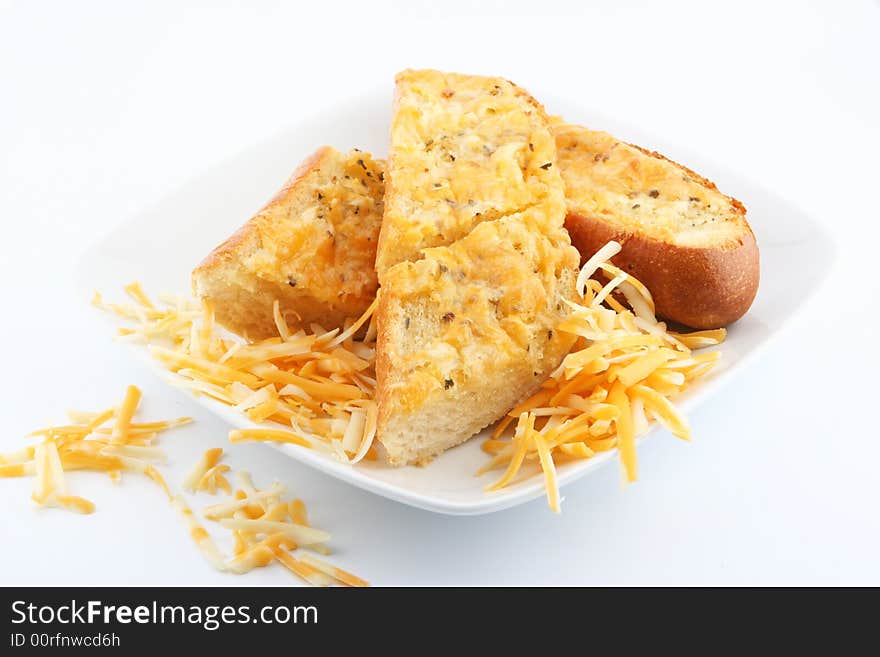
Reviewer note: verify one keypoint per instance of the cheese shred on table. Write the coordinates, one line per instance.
(311, 389)
(621, 374)
(265, 528)
(107, 441)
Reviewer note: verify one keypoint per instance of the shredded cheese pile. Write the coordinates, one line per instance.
(265, 528)
(621, 373)
(317, 385)
(108, 441)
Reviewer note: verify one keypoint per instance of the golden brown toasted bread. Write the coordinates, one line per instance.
(687, 242)
(473, 259)
(312, 247)
(465, 149)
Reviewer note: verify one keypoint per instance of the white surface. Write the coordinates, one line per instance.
(106, 108)
(795, 257)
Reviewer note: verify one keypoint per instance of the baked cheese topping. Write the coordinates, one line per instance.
(494, 298)
(327, 249)
(624, 186)
(465, 149)
(473, 257)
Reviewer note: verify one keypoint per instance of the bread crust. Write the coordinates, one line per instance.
(310, 247)
(702, 283)
(700, 288)
(383, 359)
(230, 250)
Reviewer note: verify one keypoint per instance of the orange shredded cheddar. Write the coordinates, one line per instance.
(623, 370)
(89, 444)
(271, 435)
(315, 388)
(264, 526)
(334, 572)
(123, 417)
(197, 475)
(311, 575)
(298, 380)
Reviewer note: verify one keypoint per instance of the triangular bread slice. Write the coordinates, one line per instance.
(312, 247)
(464, 149)
(467, 332)
(687, 242)
(474, 261)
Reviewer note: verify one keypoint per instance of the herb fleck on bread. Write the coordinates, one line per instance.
(687, 242)
(474, 261)
(312, 247)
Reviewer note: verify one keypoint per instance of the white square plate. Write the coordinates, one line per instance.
(160, 246)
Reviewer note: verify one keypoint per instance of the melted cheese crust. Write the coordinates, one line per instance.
(466, 149)
(325, 245)
(474, 259)
(642, 192)
(486, 305)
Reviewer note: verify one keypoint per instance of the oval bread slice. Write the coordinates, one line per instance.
(687, 242)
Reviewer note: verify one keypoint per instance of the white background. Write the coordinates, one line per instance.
(106, 107)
